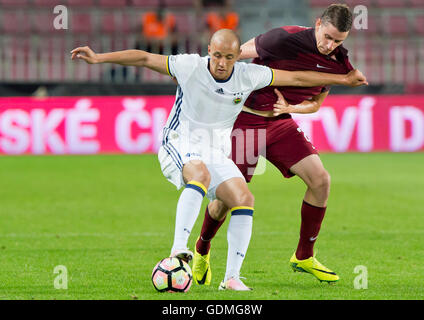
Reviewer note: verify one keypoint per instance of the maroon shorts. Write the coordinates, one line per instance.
(278, 139)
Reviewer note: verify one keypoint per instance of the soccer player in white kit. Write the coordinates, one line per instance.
(197, 136)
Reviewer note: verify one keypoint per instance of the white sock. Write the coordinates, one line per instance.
(238, 236)
(188, 208)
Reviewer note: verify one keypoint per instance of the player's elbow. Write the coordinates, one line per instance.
(315, 107)
(138, 58)
(143, 61)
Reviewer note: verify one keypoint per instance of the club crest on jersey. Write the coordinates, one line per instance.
(237, 98)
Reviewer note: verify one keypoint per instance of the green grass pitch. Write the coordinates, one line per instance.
(109, 219)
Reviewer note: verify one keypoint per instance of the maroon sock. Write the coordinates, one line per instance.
(209, 228)
(309, 228)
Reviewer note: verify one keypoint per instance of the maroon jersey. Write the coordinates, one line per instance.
(294, 48)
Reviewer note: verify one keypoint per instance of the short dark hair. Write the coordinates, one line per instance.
(338, 15)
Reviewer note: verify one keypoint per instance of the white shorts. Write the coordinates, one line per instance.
(177, 150)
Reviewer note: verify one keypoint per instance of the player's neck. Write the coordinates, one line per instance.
(216, 79)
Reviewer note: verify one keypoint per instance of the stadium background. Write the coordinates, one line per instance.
(109, 218)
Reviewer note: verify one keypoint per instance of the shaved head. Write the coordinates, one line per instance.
(224, 51)
(226, 38)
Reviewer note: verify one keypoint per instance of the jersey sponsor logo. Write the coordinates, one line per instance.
(321, 67)
(312, 239)
(219, 91)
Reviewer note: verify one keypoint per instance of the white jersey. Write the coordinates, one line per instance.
(211, 105)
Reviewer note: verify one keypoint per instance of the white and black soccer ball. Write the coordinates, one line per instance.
(172, 275)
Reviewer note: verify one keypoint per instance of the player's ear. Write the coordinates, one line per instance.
(318, 23)
(209, 49)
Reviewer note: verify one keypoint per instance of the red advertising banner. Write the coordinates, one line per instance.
(366, 123)
(82, 125)
(89, 125)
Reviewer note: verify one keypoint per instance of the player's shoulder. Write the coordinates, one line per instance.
(185, 57)
(183, 65)
(285, 34)
(248, 72)
(247, 68)
(295, 29)
(185, 62)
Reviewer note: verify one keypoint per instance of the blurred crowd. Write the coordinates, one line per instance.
(159, 27)
(390, 50)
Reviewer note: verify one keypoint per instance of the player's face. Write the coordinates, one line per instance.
(328, 37)
(223, 57)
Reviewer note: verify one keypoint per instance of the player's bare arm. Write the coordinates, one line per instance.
(248, 50)
(307, 106)
(137, 58)
(284, 78)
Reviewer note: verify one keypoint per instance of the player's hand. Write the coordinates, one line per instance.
(355, 78)
(86, 54)
(281, 106)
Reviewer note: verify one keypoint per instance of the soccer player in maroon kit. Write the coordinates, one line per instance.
(289, 48)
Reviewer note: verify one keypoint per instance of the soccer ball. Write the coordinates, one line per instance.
(172, 275)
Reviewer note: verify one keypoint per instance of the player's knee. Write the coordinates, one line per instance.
(246, 199)
(321, 181)
(203, 177)
(326, 180)
(198, 171)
